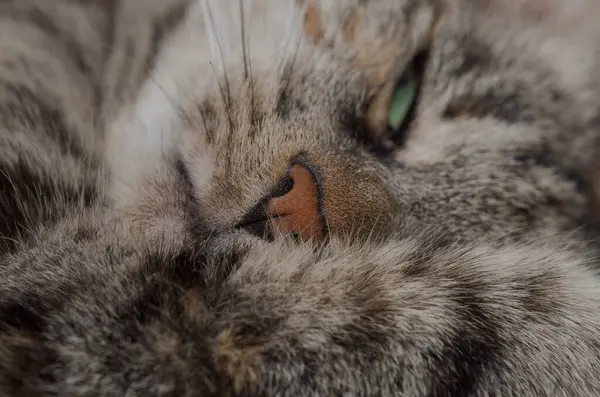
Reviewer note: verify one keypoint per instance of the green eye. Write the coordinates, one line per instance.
(402, 101)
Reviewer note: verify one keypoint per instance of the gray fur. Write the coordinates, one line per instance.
(457, 264)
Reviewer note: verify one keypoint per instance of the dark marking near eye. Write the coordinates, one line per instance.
(356, 127)
(543, 156)
(509, 107)
(473, 56)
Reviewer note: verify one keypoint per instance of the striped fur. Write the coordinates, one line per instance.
(135, 133)
(51, 58)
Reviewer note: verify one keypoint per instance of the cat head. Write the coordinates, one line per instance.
(353, 117)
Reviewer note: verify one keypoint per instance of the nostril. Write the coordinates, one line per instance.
(285, 185)
(256, 221)
(293, 207)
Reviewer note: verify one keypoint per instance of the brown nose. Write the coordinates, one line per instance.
(293, 208)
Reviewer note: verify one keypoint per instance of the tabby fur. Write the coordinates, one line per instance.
(135, 134)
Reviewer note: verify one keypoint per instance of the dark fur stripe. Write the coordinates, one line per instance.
(28, 198)
(109, 43)
(131, 75)
(73, 49)
(543, 156)
(474, 350)
(23, 108)
(166, 24)
(125, 73)
(24, 314)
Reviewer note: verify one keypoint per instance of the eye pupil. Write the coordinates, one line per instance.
(402, 101)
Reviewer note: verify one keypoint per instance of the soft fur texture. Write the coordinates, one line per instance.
(459, 260)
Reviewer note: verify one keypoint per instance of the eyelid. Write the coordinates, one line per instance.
(378, 109)
(402, 100)
(377, 112)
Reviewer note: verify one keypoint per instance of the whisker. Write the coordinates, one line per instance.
(246, 58)
(209, 29)
(221, 90)
(175, 104)
(243, 33)
(225, 89)
(207, 132)
(286, 71)
(292, 64)
(248, 63)
(228, 112)
(292, 26)
(211, 20)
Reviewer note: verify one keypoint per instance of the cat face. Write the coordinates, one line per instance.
(351, 118)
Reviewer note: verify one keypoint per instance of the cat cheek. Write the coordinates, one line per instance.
(356, 202)
(199, 162)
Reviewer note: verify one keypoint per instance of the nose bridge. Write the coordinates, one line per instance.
(356, 200)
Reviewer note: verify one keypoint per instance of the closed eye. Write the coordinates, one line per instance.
(392, 111)
(404, 100)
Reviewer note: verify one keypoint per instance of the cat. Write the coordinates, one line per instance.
(319, 197)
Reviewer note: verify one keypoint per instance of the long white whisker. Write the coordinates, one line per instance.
(211, 20)
(210, 30)
(294, 28)
(243, 34)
